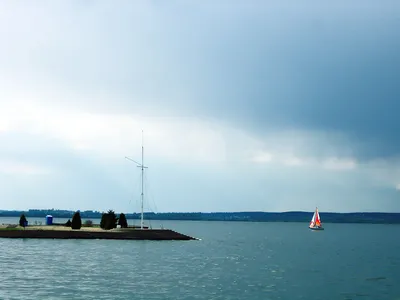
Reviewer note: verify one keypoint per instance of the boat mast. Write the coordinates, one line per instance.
(142, 166)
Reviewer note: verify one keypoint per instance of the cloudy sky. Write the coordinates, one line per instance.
(245, 105)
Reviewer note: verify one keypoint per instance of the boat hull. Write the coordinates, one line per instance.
(316, 228)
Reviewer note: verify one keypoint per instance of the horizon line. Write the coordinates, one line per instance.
(207, 212)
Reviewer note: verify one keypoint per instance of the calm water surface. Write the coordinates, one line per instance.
(234, 260)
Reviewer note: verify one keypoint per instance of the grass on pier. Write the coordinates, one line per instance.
(94, 228)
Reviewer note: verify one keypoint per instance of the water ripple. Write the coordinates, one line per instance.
(288, 263)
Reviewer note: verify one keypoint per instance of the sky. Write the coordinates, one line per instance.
(244, 105)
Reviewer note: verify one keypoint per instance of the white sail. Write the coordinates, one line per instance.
(312, 223)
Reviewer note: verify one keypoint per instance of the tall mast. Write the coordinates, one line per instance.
(141, 218)
(142, 166)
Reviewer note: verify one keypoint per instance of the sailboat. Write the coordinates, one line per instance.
(315, 223)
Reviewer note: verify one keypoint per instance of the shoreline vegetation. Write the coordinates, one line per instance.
(294, 216)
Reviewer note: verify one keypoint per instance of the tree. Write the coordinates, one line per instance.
(111, 220)
(122, 221)
(103, 221)
(22, 221)
(108, 220)
(76, 221)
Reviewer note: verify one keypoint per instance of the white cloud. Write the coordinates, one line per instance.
(114, 136)
(291, 160)
(17, 168)
(340, 164)
(262, 157)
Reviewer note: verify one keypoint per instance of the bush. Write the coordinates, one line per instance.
(68, 223)
(122, 221)
(88, 223)
(76, 221)
(22, 221)
(108, 220)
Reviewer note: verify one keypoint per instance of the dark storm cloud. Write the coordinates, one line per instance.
(261, 65)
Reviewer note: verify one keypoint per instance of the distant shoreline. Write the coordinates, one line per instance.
(294, 216)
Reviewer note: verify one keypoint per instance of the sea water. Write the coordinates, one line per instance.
(233, 260)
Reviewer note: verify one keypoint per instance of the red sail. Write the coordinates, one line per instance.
(317, 220)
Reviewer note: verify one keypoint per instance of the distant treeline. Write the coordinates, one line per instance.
(370, 217)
